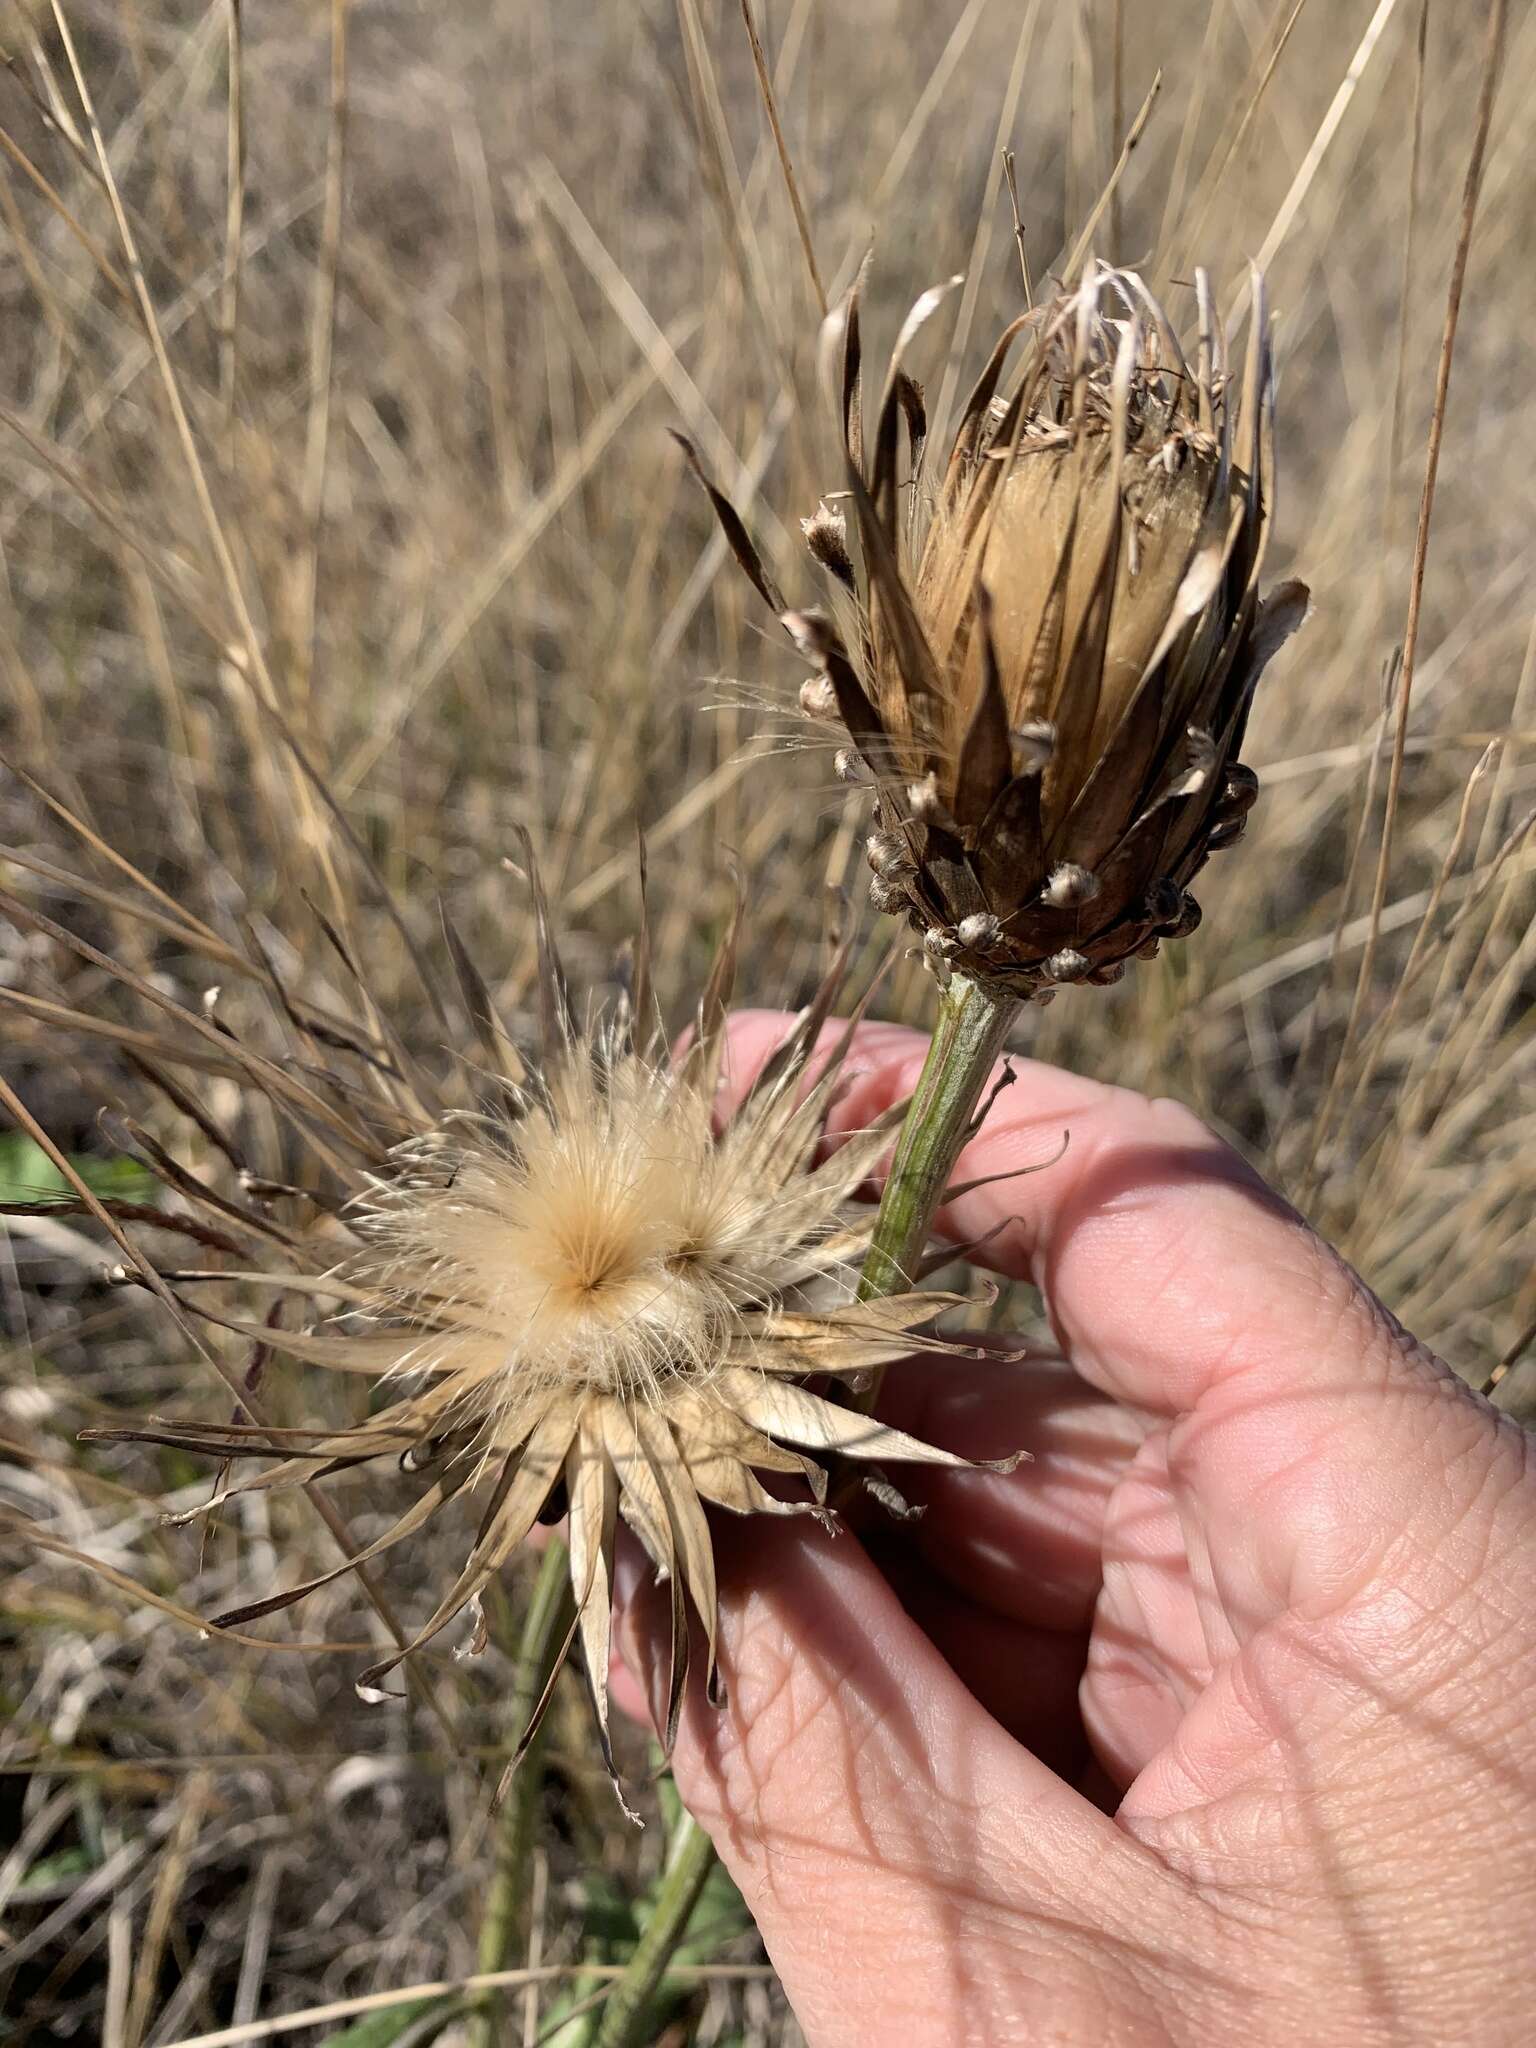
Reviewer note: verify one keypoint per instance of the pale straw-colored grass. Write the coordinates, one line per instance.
(364, 460)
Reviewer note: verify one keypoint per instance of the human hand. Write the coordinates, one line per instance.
(1220, 1714)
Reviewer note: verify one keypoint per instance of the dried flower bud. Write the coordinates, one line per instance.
(826, 535)
(886, 893)
(1068, 965)
(887, 852)
(1163, 902)
(1070, 885)
(818, 699)
(1061, 632)
(979, 933)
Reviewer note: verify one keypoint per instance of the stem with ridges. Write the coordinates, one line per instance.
(972, 1027)
(544, 1629)
(627, 2012)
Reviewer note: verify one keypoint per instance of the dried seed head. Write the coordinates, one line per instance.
(848, 767)
(886, 893)
(577, 1290)
(812, 634)
(1189, 919)
(1163, 902)
(1062, 629)
(1198, 765)
(1241, 791)
(927, 804)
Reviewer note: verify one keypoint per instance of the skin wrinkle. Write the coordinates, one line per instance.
(1221, 1435)
(1337, 1809)
(1437, 1652)
(1143, 1531)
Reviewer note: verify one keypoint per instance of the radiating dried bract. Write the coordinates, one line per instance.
(573, 1290)
(1044, 658)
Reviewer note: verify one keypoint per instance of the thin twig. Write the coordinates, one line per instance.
(448, 1987)
(791, 185)
(1301, 184)
(322, 341)
(234, 226)
(1497, 14)
(503, 1925)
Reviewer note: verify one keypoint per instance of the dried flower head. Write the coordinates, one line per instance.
(576, 1290)
(1046, 663)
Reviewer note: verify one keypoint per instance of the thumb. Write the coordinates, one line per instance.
(911, 1868)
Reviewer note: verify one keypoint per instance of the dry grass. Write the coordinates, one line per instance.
(391, 467)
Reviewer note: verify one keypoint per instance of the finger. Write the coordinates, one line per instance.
(1150, 1656)
(1026, 1544)
(1027, 1678)
(900, 1854)
(1177, 1282)
(1166, 1262)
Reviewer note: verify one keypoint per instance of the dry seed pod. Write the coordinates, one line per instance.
(1061, 636)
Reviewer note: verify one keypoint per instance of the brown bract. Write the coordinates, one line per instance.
(1044, 658)
(572, 1287)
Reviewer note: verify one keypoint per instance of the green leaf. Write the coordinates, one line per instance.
(607, 1914)
(50, 1871)
(386, 2029)
(28, 1175)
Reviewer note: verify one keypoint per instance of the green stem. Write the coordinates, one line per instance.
(971, 1030)
(626, 2016)
(502, 1928)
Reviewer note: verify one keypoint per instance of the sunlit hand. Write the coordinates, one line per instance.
(1216, 1721)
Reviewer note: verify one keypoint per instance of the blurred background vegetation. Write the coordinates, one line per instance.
(392, 462)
